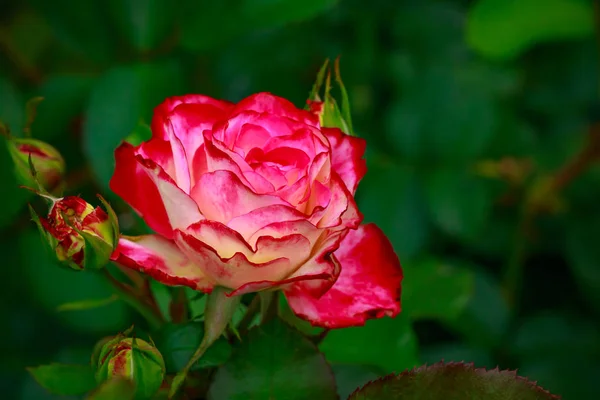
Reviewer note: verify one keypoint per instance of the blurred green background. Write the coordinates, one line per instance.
(480, 121)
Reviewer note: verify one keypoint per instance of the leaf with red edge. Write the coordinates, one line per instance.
(452, 381)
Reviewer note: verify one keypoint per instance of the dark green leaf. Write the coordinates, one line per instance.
(162, 295)
(583, 255)
(392, 197)
(485, 318)
(274, 362)
(207, 24)
(177, 343)
(145, 23)
(348, 377)
(452, 284)
(394, 350)
(113, 389)
(452, 381)
(118, 100)
(502, 29)
(453, 211)
(64, 379)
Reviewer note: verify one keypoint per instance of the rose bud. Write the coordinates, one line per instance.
(134, 359)
(326, 109)
(47, 162)
(82, 236)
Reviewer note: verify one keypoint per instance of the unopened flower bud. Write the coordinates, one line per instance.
(82, 236)
(134, 359)
(47, 162)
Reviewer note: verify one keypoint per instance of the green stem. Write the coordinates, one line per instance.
(251, 312)
(268, 306)
(151, 314)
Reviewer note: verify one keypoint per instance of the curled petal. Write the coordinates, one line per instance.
(222, 196)
(368, 286)
(347, 157)
(162, 260)
(248, 224)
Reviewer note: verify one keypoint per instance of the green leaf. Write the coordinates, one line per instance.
(394, 350)
(452, 381)
(136, 89)
(503, 29)
(145, 23)
(453, 212)
(484, 320)
(583, 255)
(177, 343)
(274, 362)
(64, 379)
(141, 133)
(88, 304)
(392, 197)
(75, 24)
(452, 284)
(115, 388)
(199, 20)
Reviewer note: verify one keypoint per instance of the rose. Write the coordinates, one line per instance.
(257, 196)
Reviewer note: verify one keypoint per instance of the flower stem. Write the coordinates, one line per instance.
(151, 314)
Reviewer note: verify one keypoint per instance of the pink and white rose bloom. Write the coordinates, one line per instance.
(257, 196)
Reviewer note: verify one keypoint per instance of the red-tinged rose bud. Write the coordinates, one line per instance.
(48, 163)
(82, 236)
(134, 359)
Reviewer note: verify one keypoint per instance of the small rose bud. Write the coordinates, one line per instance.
(326, 107)
(47, 162)
(134, 359)
(82, 236)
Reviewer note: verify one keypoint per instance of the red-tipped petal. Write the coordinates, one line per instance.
(347, 156)
(368, 286)
(162, 260)
(274, 105)
(132, 183)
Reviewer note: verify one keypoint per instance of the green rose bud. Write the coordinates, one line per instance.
(326, 107)
(83, 237)
(47, 162)
(134, 359)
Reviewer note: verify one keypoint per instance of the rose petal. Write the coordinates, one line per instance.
(238, 270)
(251, 222)
(368, 286)
(274, 105)
(162, 260)
(133, 184)
(202, 108)
(222, 196)
(346, 156)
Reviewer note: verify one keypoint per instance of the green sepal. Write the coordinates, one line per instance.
(346, 113)
(314, 93)
(96, 251)
(112, 218)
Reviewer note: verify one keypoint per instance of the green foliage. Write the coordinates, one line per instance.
(394, 350)
(65, 379)
(274, 361)
(504, 29)
(452, 381)
(177, 343)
